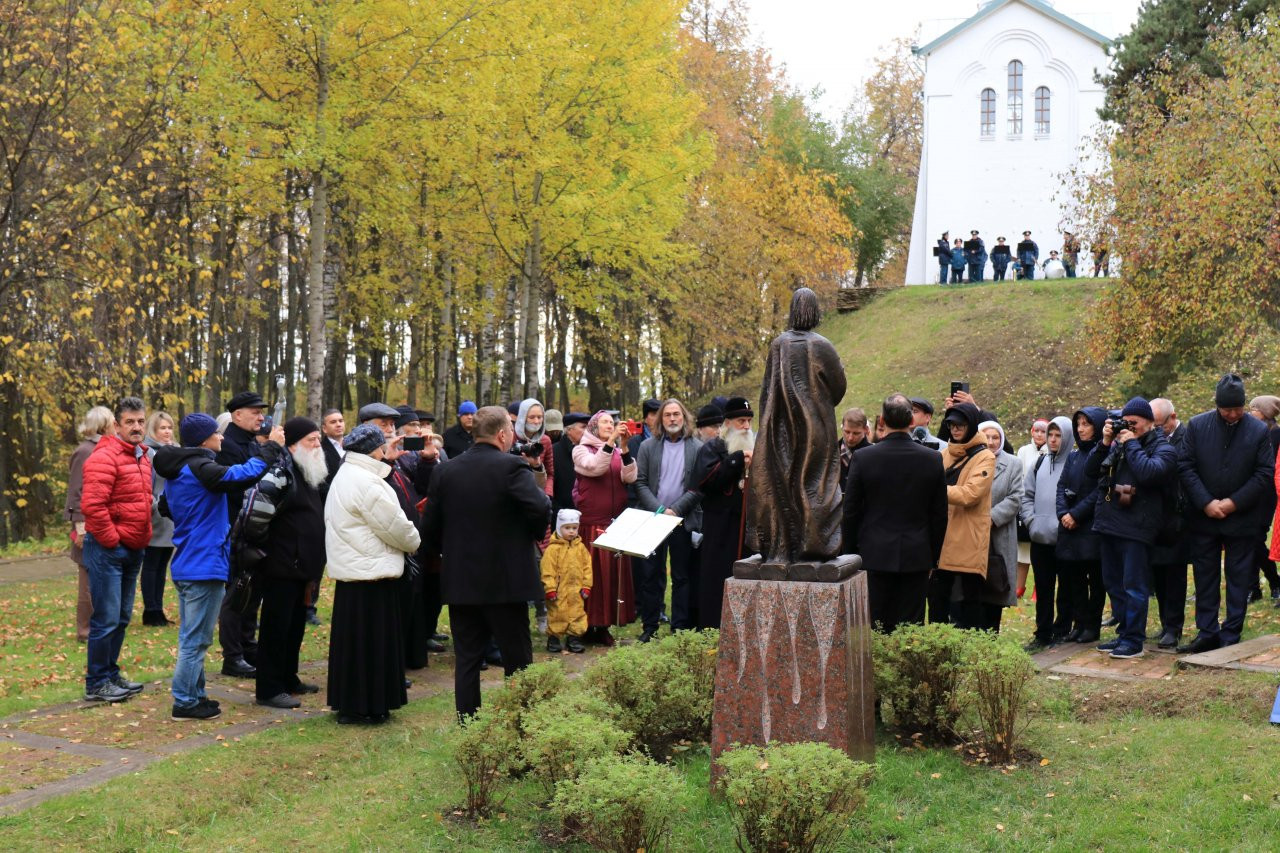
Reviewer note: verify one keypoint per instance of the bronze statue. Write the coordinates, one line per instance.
(795, 470)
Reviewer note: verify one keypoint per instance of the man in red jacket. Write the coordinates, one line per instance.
(116, 503)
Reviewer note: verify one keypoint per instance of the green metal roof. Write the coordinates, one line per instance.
(994, 6)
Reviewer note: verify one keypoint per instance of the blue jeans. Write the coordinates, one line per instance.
(943, 269)
(198, 606)
(1124, 572)
(113, 579)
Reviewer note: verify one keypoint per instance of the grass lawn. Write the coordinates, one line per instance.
(1186, 763)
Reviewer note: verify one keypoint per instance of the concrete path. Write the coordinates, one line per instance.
(38, 568)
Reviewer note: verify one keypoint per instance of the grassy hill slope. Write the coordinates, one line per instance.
(1020, 345)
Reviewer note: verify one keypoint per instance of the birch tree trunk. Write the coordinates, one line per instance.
(317, 333)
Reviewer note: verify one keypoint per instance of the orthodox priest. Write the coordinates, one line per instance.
(794, 503)
(719, 472)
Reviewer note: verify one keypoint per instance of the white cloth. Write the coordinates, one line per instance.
(366, 532)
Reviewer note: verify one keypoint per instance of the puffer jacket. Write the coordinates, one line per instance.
(196, 495)
(964, 548)
(116, 496)
(566, 568)
(1150, 464)
(366, 532)
(1040, 488)
(1078, 494)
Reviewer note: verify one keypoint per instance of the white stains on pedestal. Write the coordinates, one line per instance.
(792, 600)
(739, 595)
(824, 606)
(766, 604)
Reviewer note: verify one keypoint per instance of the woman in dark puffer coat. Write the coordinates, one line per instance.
(1077, 548)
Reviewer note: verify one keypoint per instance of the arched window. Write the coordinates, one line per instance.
(988, 112)
(1015, 98)
(1042, 110)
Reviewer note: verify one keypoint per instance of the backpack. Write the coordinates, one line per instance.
(249, 533)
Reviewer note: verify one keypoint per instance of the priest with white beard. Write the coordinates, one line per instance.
(295, 558)
(720, 473)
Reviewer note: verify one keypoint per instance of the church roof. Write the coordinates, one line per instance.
(994, 6)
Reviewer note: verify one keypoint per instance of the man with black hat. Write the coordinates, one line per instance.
(237, 630)
(563, 476)
(457, 438)
(1227, 469)
(649, 426)
(921, 418)
(720, 473)
(1028, 256)
(707, 423)
(975, 255)
(294, 559)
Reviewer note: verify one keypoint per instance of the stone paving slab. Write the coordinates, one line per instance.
(37, 568)
(1261, 654)
(1092, 663)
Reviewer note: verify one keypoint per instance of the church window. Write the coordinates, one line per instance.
(1042, 110)
(1015, 98)
(988, 112)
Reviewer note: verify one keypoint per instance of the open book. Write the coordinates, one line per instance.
(637, 532)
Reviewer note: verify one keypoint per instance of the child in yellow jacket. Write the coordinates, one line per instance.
(566, 577)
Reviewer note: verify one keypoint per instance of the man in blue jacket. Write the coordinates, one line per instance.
(1227, 469)
(1028, 256)
(196, 495)
(1133, 468)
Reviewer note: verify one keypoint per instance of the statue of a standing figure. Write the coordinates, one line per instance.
(795, 470)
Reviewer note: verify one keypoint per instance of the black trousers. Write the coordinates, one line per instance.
(284, 621)
(236, 631)
(1085, 590)
(1265, 564)
(1170, 584)
(1050, 595)
(432, 603)
(896, 598)
(473, 625)
(1208, 566)
(652, 575)
(155, 566)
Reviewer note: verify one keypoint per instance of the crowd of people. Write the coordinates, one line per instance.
(496, 518)
(966, 260)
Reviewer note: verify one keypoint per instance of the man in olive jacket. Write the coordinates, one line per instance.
(895, 517)
(1227, 469)
(484, 514)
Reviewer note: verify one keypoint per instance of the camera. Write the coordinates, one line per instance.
(1118, 424)
(527, 448)
(633, 427)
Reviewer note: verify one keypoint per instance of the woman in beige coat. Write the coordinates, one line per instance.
(970, 467)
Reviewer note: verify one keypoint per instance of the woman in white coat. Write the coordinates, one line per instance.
(367, 538)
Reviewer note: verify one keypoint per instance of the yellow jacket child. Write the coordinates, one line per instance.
(566, 577)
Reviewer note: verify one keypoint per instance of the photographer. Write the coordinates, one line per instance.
(484, 515)
(1134, 464)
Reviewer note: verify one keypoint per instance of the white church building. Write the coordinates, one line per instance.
(1009, 95)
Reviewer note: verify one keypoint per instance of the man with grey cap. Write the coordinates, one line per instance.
(1227, 470)
(237, 630)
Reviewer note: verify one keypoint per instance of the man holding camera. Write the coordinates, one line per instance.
(484, 515)
(1134, 464)
(1227, 468)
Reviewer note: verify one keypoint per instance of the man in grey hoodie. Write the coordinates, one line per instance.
(1040, 516)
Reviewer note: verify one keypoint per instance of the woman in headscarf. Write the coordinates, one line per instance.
(970, 469)
(366, 539)
(999, 591)
(604, 468)
(530, 426)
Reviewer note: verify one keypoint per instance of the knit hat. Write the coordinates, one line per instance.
(995, 425)
(1230, 392)
(737, 407)
(710, 415)
(553, 420)
(195, 428)
(246, 400)
(365, 439)
(296, 429)
(1267, 405)
(567, 516)
(1140, 408)
(408, 415)
(467, 408)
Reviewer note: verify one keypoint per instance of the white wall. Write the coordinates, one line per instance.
(998, 184)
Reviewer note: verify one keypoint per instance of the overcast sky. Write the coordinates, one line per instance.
(833, 43)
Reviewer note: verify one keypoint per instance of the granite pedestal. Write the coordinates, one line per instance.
(794, 665)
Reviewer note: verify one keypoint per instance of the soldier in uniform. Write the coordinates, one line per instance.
(975, 256)
(1028, 257)
(999, 260)
(944, 257)
(1070, 253)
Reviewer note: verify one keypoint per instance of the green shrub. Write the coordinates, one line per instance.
(563, 734)
(655, 696)
(527, 688)
(921, 671)
(1002, 676)
(619, 803)
(485, 747)
(794, 796)
(696, 651)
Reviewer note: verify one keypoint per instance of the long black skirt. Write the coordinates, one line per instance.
(366, 648)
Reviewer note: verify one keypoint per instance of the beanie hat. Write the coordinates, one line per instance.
(296, 429)
(467, 408)
(1140, 408)
(710, 415)
(567, 516)
(1230, 392)
(365, 439)
(195, 428)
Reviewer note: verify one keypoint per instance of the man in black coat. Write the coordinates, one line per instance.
(459, 437)
(895, 517)
(1169, 557)
(1227, 469)
(563, 475)
(484, 515)
(237, 631)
